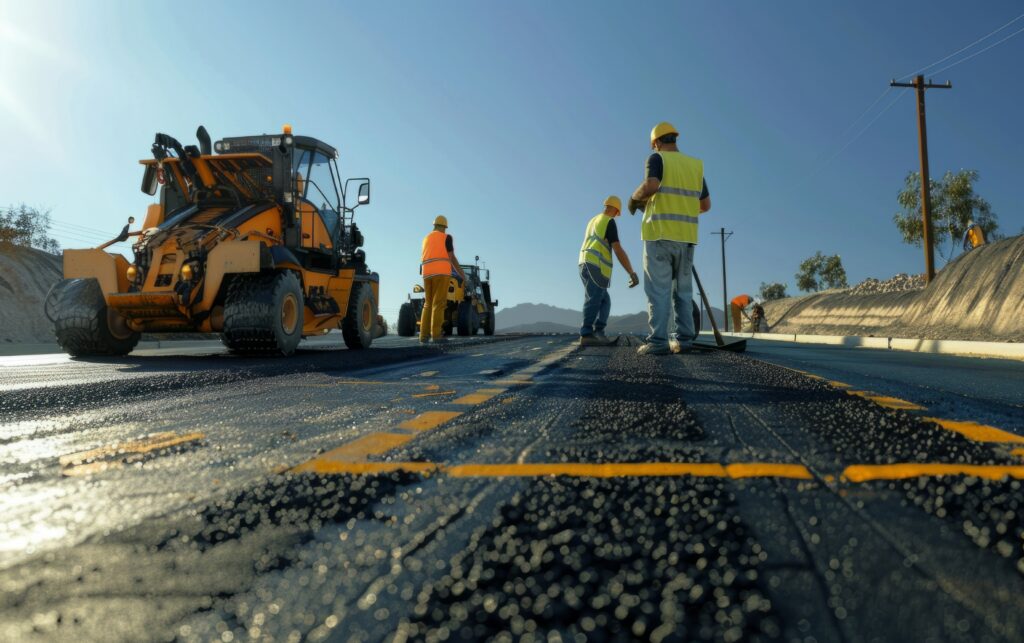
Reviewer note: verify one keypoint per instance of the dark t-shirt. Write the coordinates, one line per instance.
(611, 233)
(656, 170)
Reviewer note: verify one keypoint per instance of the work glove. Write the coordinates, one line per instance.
(633, 280)
(635, 205)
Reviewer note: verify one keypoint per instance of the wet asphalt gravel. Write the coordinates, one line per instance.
(214, 541)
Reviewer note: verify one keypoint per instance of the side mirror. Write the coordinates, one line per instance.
(417, 288)
(362, 191)
(149, 180)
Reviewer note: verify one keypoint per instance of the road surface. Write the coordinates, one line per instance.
(510, 488)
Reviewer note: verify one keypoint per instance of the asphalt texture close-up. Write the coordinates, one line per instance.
(510, 488)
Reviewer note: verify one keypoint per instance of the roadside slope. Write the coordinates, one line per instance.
(978, 296)
(26, 275)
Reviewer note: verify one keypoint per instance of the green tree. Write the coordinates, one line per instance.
(26, 226)
(773, 291)
(821, 271)
(953, 204)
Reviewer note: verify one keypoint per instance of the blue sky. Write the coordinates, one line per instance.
(516, 119)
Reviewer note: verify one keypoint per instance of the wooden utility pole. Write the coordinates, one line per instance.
(725, 288)
(922, 138)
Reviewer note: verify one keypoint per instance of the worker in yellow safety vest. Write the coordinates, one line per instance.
(672, 195)
(599, 242)
(437, 265)
(974, 236)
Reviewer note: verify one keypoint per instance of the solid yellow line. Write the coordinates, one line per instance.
(867, 472)
(148, 444)
(978, 432)
(354, 452)
(434, 393)
(888, 402)
(767, 470)
(429, 420)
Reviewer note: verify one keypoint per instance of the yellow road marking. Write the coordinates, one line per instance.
(977, 432)
(363, 468)
(868, 472)
(887, 402)
(113, 457)
(767, 470)
(1017, 452)
(479, 397)
(516, 381)
(334, 383)
(434, 393)
(429, 420)
(354, 452)
(429, 373)
(839, 384)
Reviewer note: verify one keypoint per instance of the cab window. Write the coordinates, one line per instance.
(322, 192)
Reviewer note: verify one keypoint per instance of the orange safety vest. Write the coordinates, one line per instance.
(434, 260)
(742, 301)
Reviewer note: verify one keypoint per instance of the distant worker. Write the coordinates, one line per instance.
(673, 194)
(758, 319)
(974, 236)
(437, 265)
(737, 306)
(599, 242)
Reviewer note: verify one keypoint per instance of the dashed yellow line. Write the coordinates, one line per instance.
(887, 402)
(978, 432)
(429, 420)
(434, 394)
(479, 397)
(429, 373)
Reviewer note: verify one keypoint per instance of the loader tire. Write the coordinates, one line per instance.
(488, 322)
(467, 321)
(263, 314)
(85, 326)
(406, 320)
(358, 326)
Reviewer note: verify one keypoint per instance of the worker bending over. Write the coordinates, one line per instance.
(974, 236)
(738, 307)
(673, 195)
(437, 265)
(599, 242)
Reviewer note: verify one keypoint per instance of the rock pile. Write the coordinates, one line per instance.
(900, 283)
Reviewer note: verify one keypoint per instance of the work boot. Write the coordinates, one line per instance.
(676, 346)
(593, 340)
(600, 335)
(424, 340)
(653, 349)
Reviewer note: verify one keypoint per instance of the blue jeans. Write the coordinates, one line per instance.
(668, 283)
(596, 302)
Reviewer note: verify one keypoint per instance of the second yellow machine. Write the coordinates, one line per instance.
(253, 238)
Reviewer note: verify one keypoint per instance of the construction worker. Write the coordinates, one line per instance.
(737, 307)
(599, 242)
(974, 236)
(758, 319)
(437, 265)
(673, 194)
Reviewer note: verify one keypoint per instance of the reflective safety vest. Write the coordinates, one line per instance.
(596, 250)
(741, 301)
(434, 259)
(672, 212)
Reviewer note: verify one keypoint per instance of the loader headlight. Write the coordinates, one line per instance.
(132, 272)
(186, 272)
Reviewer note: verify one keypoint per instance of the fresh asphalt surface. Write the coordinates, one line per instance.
(514, 488)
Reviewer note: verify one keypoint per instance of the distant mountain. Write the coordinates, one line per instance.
(542, 318)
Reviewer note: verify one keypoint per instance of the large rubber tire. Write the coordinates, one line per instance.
(406, 320)
(84, 325)
(697, 319)
(358, 326)
(465, 319)
(263, 314)
(487, 323)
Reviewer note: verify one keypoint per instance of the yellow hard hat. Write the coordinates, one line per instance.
(662, 129)
(441, 221)
(614, 202)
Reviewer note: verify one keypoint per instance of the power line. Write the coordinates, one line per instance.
(979, 52)
(963, 49)
(865, 128)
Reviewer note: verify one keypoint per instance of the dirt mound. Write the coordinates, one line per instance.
(26, 275)
(978, 296)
